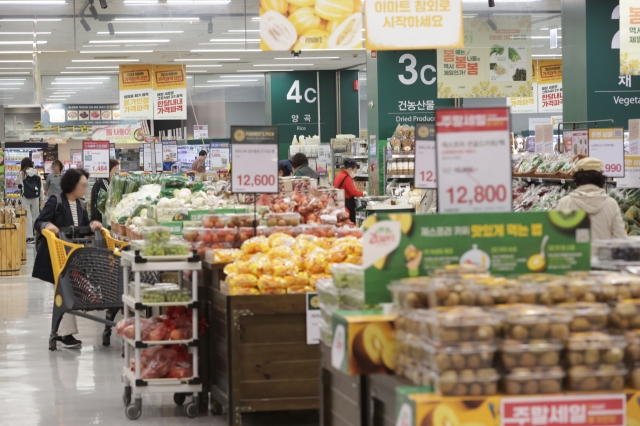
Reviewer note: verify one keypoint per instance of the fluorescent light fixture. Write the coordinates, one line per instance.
(77, 82)
(64, 92)
(30, 2)
(255, 18)
(2, 89)
(235, 39)
(89, 68)
(104, 60)
(102, 45)
(30, 20)
(11, 83)
(308, 57)
(283, 65)
(138, 45)
(13, 79)
(25, 68)
(194, 71)
(130, 41)
(14, 73)
(547, 56)
(24, 33)
(21, 61)
(24, 106)
(116, 51)
(225, 50)
(23, 42)
(140, 32)
(129, 2)
(288, 69)
(243, 31)
(222, 85)
(82, 78)
(212, 59)
(243, 76)
(87, 72)
(228, 81)
(203, 66)
(158, 19)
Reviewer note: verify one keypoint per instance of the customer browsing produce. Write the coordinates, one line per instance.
(344, 180)
(102, 184)
(199, 165)
(606, 221)
(300, 164)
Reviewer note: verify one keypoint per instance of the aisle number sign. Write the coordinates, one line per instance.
(416, 25)
(425, 159)
(607, 145)
(473, 160)
(254, 150)
(96, 158)
(136, 92)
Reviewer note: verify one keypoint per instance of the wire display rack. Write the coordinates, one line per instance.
(135, 386)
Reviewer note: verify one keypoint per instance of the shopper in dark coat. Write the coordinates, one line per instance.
(300, 164)
(114, 167)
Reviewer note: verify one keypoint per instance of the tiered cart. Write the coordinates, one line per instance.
(134, 385)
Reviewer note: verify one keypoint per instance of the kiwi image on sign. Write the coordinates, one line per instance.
(374, 348)
(568, 220)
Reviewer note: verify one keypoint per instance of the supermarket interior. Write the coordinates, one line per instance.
(320, 212)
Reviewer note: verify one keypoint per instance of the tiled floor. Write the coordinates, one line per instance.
(76, 387)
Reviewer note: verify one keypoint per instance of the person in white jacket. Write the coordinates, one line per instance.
(604, 213)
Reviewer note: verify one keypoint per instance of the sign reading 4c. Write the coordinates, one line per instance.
(310, 94)
(410, 68)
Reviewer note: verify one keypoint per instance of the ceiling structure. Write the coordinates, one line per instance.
(218, 40)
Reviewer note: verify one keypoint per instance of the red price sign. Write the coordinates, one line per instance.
(613, 168)
(425, 158)
(256, 180)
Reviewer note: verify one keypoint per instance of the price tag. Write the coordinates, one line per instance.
(425, 158)
(96, 158)
(254, 150)
(473, 160)
(607, 145)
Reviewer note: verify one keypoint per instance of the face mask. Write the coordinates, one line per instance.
(352, 173)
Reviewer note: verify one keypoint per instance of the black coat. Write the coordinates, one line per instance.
(62, 218)
(95, 213)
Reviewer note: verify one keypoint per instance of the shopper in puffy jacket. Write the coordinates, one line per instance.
(344, 180)
(300, 164)
(604, 213)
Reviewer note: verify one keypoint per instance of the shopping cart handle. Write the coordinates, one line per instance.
(76, 231)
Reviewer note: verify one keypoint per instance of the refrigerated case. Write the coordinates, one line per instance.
(14, 152)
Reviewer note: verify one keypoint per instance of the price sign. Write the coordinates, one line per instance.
(96, 158)
(473, 160)
(147, 157)
(425, 163)
(607, 145)
(631, 177)
(254, 150)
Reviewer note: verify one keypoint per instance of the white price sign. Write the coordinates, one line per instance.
(607, 145)
(254, 150)
(631, 177)
(96, 158)
(314, 316)
(473, 160)
(147, 157)
(425, 161)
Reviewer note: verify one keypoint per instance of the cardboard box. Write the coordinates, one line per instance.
(363, 342)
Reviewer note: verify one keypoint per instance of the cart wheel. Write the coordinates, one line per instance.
(192, 410)
(106, 337)
(53, 342)
(126, 397)
(179, 398)
(133, 411)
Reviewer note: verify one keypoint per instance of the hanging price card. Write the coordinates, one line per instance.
(607, 145)
(473, 160)
(425, 163)
(96, 158)
(631, 177)
(254, 150)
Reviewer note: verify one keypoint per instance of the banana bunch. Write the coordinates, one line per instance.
(310, 24)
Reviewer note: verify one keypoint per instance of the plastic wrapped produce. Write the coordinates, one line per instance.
(155, 332)
(606, 377)
(595, 348)
(255, 245)
(537, 322)
(587, 316)
(159, 364)
(156, 234)
(242, 280)
(412, 293)
(534, 353)
(482, 382)
(531, 381)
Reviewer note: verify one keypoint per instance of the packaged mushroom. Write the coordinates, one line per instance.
(452, 292)
(535, 380)
(532, 354)
(606, 377)
(537, 322)
(594, 349)
(458, 324)
(481, 382)
(625, 315)
(587, 316)
(617, 287)
(410, 293)
(461, 356)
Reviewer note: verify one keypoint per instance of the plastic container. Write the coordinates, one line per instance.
(153, 295)
(452, 292)
(242, 220)
(326, 313)
(618, 287)
(634, 378)
(320, 231)
(460, 356)
(215, 221)
(535, 353)
(156, 234)
(605, 378)
(173, 248)
(632, 352)
(531, 381)
(210, 237)
(244, 233)
(411, 293)
(587, 316)
(594, 349)
(455, 325)
(625, 315)
(537, 322)
(292, 231)
(179, 295)
(353, 300)
(132, 288)
(326, 336)
(507, 292)
(328, 294)
(482, 382)
(348, 276)
(349, 232)
(411, 347)
(569, 290)
(282, 219)
(415, 372)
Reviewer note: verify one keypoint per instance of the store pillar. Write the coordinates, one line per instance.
(594, 88)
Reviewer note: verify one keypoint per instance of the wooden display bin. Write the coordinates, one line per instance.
(261, 360)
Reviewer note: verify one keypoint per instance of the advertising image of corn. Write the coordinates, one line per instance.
(310, 24)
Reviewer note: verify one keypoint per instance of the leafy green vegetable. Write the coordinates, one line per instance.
(497, 49)
(513, 55)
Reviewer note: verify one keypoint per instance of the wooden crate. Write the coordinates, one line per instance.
(261, 358)
(22, 235)
(10, 262)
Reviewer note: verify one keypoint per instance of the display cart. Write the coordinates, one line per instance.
(135, 386)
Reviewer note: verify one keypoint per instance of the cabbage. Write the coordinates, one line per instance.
(184, 194)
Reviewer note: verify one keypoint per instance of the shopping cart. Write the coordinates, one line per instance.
(87, 278)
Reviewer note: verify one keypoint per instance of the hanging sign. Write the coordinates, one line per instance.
(425, 160)
(629, 37)
(576, 142)
(200, 131)
(170, 92)
(255, 159)
(473, 160)
(631, 177)
(415, 25)
(136, 89)
(96, 158)
(527, 104)
(550, 86)
(219, 155)
(607, 145)
(634, 137)
(544, 138)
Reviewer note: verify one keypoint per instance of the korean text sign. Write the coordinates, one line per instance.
(96, 158)
(136, 90)
(406, 245)
(607, 145)
(425, 160)
(170, 92)
(629, 37)
(254, 150)
(473, 159)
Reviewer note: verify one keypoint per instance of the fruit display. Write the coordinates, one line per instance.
(535, 380)
(459, 324)
(497, 292)
(587, 316)
(537, 197)
(606, 377)
(282, 219)
(346, 275)
(463, 356)
(467, 382)
(176, 248)
(452, 292)
(214, 221)
(537, 322)
(617, 287)
(411, 293)
(632, 353)
(532, 354)
(163, 292)
(569, 290)
(595, 348)
(626, 315)
(156, 234)
(320, 231)
(629, 202)
(242, 220)
(545, 165)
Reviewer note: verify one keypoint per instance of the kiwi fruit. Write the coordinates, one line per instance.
(528, 360)
(513, 387)
(549, 359)
(591, 356)
(449, 335)
(613, 356)
(453, 299)
(460, 389)
(617, 383)
(458, 361)
(443, 362)
(539, 331)
(490, 388)
(475, 389)
(559, 331)
(474, 361)
(635, 378)
(580, 324)
(530, 387)
(588, 384)
(519, 332)
(550, 386)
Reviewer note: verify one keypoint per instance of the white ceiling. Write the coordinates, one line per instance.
(178, 34)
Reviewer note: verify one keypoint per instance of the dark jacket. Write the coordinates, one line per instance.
(307, 171)
(62, 218)
(95, 213)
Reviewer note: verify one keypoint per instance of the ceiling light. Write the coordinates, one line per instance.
(102, 45)
(225, 50)
(23, 42)
(210, 27)
(255, 18)
(110, 27)
(543, 29)
(85, 24)
(14, 73)
(202, 59)
(128, 2)
(104, 60)
(30, 2)
(222, 85)
(228, 81)
(12, 83)
(158, 19)
(235, 39)
(84, 78)
(24, 106)
(30, 20)
(9, 88)
(64, 92)
(103, 4)
(243, 31)
(289, 69)
(129, 41)
(16, 61)
(87, 68)
(309, 57)
(13, 79)
(243, 76)
(116, 51)
(283, 65)
(203, 66)
(141, 32)
(94, 12)
(24, 33)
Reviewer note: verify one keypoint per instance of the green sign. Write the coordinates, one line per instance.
(609, 94)
(404, 245)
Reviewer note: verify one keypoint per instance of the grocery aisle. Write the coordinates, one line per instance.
(75, 387)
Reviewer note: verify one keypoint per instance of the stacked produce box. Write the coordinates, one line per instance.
(537, 334)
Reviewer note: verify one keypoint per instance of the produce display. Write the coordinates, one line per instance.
(545, 165)
(176, 324)
(157, 242)
(537, 197)
(629, 202)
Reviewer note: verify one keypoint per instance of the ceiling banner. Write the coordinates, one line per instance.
(629, 37)
(136, 85)
(526, 104)
(170, 92)
(550, 86)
